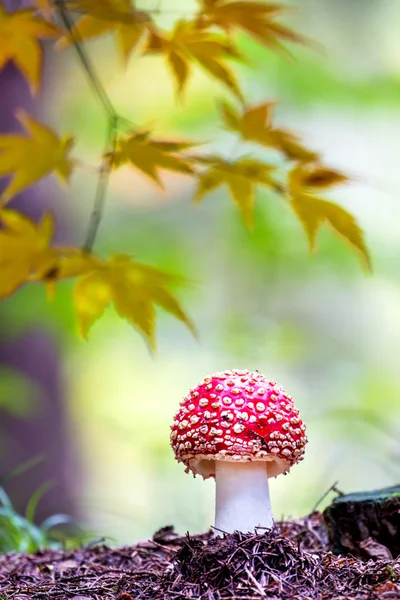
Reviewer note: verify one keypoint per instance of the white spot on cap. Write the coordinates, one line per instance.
(203, 402)
(261, 391)
(252, 419)
(226, 400)
(238, 428)
(191, 407)
(194, 419)
(260, 406)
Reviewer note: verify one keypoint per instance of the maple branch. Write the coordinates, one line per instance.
(90, 71)
(112, 119)
(102, 185)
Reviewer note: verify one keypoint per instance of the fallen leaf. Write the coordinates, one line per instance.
(20, 32)
(133, 288)
(313, 212)
(119, 17)
(187, 44)
(240, 176)
(374, 549)
(255, 124)
(28, 159)
(149, 155)
(257, 19)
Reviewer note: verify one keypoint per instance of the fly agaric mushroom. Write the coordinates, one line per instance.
(239, 428)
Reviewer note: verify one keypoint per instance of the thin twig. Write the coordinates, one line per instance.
(254, 580)
(102, 185)
(332, 488)
(112, 127)
(90, 72)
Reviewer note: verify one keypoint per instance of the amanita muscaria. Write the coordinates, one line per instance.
(240, 428)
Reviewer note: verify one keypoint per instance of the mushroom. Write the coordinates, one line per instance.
(240, 428)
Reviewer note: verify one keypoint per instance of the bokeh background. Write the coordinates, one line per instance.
(94, 417)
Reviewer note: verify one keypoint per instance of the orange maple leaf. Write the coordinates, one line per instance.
(128, 24)
(20, 32)
(28, 159)
(149, 155)
(187, 44)
(257, 19)
(255, 124)
(240, 176)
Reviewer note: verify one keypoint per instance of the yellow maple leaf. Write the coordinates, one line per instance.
(28, 159)
(313, 211)
(119, 17)
(149, 155)
(20, 32)
(257, 19)
(187, 44)
(255, 124)
(240, 176)
(133, 288)
(315, 177)
(24, 250)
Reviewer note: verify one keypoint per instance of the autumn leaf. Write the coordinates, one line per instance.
(240, 176)
(128, 24)
(133, 288)
(315, 177)
(313, 211)
(187, 44)
(28, 159)
(149, 155)
(257, 19)
(254, 124)
(24, 249)
(46, 7)
(20, 32)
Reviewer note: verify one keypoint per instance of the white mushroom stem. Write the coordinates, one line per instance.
(242, 496)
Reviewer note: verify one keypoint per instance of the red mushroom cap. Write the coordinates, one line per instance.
(237, 416)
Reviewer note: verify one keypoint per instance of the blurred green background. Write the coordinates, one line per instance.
(316, 323)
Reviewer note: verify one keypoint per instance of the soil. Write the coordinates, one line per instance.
(291, 562)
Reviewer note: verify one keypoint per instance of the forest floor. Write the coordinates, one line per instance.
(291, 562)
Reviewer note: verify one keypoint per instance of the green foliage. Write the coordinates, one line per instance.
(19, 533)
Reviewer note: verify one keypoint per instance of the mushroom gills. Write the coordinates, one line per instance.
(242, 496)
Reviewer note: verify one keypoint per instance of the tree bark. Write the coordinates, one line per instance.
(36, 355)
(354, 521)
